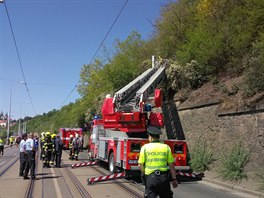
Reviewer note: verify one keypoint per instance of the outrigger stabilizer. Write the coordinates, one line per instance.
(84, 164)
(106, 178)
(123, 175)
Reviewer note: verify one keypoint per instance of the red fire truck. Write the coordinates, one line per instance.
(65, 135)
(119, 135)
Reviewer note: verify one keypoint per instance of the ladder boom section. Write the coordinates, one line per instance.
(129, 91)
(148, 88)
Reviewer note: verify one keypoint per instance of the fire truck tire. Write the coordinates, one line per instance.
(111, 164)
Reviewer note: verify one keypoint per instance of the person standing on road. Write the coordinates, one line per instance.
(58, 151)
(11, 141)
(153, 160)
(53, 154)
(30, 165)
(22, 155)
(2, 145)
(18, 140)
(48, 148)
(76, 146)
(70, 147)
(42, 140)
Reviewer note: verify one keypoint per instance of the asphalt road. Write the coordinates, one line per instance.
(201, 189)
(186, 189)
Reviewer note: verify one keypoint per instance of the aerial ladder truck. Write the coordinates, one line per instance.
(117, 137)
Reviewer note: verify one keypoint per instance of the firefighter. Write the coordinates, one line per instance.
(70, 147)
(42, 140)
(48, 148)
(11, 141)
(76, 143)
(153, 160)
(53, 137)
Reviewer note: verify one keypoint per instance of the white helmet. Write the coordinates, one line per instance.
(76, 135)
(71, 136)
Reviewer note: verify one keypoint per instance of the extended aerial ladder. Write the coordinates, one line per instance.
(125, 111)
(139, 89)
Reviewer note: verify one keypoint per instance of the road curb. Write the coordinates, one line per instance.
(235, 188)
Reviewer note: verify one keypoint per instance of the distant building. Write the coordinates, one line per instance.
(3, 123)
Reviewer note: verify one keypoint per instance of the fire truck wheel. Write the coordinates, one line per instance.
(111, 164)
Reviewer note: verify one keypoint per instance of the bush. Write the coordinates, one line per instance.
(196, 74)
(254, 73)
(233, 163)
(260, 176)
(201, 156)
(176, 76)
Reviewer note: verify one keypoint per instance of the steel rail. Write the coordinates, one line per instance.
(8, 166)
(130, 191)
(31, 185)
(83, 192)
(125, 188)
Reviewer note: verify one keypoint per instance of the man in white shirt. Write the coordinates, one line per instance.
(22, 155)
(30, 158)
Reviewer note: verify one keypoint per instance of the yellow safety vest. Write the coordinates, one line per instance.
(1, 142)
(155, 156)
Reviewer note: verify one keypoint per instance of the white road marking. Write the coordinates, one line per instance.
(57, 188)
(2, 162)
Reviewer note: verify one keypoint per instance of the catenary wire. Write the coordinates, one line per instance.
(109, 30)
(19, 59)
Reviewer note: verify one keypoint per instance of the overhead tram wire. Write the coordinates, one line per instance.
(118, 15)
(19, 59)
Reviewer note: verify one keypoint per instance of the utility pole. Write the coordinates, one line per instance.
(19, 123)
(9, 113)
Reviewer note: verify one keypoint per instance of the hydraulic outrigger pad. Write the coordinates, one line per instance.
(83, 164)
(106, 178)
(186, 174)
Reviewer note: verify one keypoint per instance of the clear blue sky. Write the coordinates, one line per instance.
(55, 38)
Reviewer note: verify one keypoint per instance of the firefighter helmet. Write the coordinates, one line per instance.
(47, 134)
(71, 136)
(53, 136)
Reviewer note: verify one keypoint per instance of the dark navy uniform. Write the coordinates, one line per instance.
(153, 161)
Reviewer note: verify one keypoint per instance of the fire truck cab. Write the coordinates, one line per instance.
(65, 135)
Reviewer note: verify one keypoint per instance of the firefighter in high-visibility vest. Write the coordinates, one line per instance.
(42, 140)
(70, 147)
(53, 137)
(153, 160)
(11, 141)
(76, 143)
(48, 147)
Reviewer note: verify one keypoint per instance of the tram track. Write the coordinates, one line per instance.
(9, 165)
(31, 185)
(83, 192)
(120, 185)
